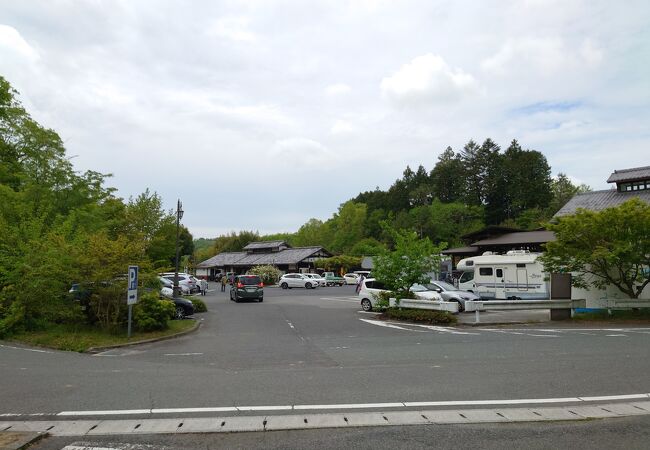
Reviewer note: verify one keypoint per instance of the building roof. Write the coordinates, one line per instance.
(599, 200)
(633, 174)
(518, 238)
(489, 231)
(460, 250)
(263, 245)
(286, 256)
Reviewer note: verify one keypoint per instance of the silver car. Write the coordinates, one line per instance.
(451, 293)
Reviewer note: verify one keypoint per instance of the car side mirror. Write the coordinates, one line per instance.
(439, 291)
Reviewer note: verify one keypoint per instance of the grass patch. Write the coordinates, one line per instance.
(642, 314)
(421, 315)
(79, 338)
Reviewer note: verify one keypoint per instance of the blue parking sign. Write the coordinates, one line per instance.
(132, 294)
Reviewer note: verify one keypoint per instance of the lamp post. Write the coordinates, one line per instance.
(179, 216)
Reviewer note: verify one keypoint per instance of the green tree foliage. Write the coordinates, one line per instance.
(59, 226)
(234, 241)
(601, 248)
(368, 247)
(269, 274)
(563, 190)
(346, 228)
(341, 263)
(448, 177)
(409, 262)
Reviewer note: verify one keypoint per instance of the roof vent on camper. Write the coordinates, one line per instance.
(517, 252)
(487, 253)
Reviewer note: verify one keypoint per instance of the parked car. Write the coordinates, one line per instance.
(368, 293)
(182, 307)
(184, 279)
(247, 287)
(371, 288)
(292, 280)
(451, 293)
(332, 279)
(317, 278)
(351, 278)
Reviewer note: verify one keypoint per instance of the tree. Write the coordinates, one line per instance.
(448, 177)
(611, 246)
(408, 263)
(563, 190)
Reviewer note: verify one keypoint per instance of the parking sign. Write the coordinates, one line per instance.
(132, 293)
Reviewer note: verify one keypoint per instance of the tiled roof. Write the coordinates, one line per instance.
(521, 237)
(264, 245)
(636, 173)
(460, 250)
(599, 200)
(286, 256)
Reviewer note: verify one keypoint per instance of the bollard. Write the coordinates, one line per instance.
(478, 317)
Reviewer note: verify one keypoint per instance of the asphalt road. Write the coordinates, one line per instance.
(314, 347)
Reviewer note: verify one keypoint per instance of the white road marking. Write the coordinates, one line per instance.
(443, 329)
(388, 325)
(26, 349)
(345, 300)
(345, 406)
(616, 335)
(183, 354)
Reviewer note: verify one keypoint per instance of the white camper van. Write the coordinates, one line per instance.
(516, 275)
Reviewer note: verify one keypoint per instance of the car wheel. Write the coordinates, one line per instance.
(366, 305)
(236, 298)
(261, 299)
(284, 285)
(461, 308)
(179, 314)
(307, 285)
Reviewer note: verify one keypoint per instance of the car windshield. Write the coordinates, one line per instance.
(419, 288)
(250, 280)
(443, 285)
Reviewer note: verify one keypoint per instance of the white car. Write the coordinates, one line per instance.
(351, 278)
(168, 287)
(184, 281)
(292, 280)
(317, 278)
(371, 288)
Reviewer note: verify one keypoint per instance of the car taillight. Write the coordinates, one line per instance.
(240, 285)
(261, 284)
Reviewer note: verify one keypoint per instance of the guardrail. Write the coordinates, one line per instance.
(564, 308)
(452, 307)
(619, 303)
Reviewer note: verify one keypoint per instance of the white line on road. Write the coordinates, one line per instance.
(388, 325)
(183, 354)
(26, 349)
(532, 401)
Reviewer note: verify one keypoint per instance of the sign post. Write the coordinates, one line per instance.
(132, 293)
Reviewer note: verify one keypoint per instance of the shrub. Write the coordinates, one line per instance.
(421, 315)
(268, 273)
(151, 314)
(199, 305)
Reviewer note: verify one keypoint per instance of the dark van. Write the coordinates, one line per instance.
(247, 287)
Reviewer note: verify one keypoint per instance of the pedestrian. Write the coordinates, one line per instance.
(204, 286)
(223, 283)
(360, 282)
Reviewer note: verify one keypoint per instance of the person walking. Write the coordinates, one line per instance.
(360, 283)
(223, 283)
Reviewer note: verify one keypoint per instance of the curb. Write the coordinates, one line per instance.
(145, 341)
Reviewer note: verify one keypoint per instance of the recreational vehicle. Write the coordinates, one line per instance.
(517, 275)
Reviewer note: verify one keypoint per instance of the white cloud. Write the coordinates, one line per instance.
(548, 55)
(12, 41)
(233, 28)
(427, 79)
(338, 89)
(342, 127)
(302, 152)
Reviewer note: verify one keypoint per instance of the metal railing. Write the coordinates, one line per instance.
(486, 305)
(435, 305)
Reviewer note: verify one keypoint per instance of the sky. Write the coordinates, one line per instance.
(260, 115)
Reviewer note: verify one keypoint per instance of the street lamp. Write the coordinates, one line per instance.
(179, 216)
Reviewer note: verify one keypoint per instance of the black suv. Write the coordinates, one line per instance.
(247, 287)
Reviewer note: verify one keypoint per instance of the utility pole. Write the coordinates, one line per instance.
(179, 216)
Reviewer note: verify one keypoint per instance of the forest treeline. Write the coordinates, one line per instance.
(465, 190)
